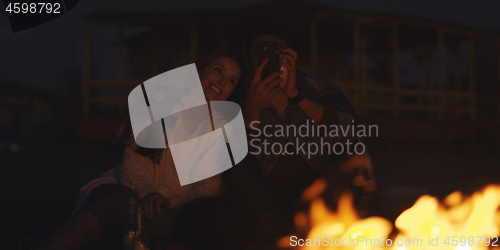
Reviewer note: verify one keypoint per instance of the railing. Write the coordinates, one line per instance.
(366, 97)
(121, 86)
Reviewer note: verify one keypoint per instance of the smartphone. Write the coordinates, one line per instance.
(268, 50)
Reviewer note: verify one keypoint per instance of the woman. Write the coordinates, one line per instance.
(147, 175)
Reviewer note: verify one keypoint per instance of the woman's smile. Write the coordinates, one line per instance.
(215, 88)
(219, 78)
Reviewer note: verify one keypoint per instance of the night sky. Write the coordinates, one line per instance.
(31, 58)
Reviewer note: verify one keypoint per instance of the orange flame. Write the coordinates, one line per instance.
(458, 223)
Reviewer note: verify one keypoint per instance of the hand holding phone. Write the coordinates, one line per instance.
(268, 50)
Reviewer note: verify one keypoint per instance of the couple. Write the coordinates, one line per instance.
(286, 97)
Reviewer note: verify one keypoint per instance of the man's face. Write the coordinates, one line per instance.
(263, 38)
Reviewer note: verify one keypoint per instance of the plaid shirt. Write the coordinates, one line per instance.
(320, 90)
(329, 93)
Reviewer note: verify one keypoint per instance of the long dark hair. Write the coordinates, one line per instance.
(123, 135)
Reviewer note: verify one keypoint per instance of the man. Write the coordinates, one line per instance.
(292, 101)
(299, 95)
(278, 112)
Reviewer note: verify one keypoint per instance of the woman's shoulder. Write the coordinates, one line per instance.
(130, 150)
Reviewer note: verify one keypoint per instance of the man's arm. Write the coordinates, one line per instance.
(260, 93)
(311, 108)
(315, 111)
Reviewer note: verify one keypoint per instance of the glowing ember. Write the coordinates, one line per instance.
(458, 224)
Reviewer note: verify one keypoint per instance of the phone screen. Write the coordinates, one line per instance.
(268, 50)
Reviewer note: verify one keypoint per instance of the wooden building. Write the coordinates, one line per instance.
(384, 63)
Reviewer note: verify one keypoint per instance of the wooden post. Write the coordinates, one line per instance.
(395, 66)
(194, 40)
(86, 67)
(498, 65)
(420, 80)
(420, 76)
(154, 53)
(357, 54)
(121, 63)
(440, 45)
(472, 75)
(458, 69)
(430, 68)
(363, 48)
(121, 53)
(357, 75)
(441, 77)
(313, 44)
(458, 76)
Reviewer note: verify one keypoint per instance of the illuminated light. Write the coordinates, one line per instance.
(284, 242)
(300, 220)
(463, 248)
(459, 219)
(314, 190)
(453, 199)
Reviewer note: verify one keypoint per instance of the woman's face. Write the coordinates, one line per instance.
(219, 78)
